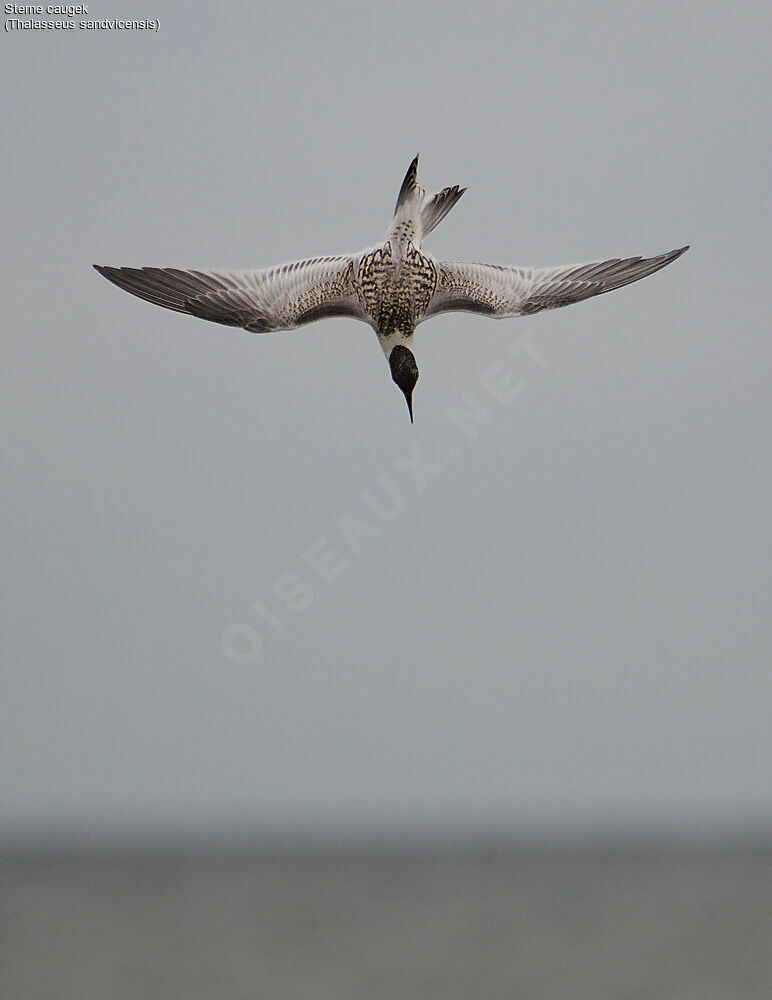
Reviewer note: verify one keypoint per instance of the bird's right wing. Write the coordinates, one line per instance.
(519, 291)
(273, 298)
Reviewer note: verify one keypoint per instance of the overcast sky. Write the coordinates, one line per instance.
(563, 626)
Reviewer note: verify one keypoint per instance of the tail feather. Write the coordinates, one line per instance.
(413, 206)
(410, 191)
(435, 210)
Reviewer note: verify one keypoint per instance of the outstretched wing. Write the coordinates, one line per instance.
(274, 298)
(519, 291)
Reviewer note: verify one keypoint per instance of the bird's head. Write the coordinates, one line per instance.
(404, 371)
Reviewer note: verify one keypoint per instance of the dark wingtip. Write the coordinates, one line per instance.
(410, 406)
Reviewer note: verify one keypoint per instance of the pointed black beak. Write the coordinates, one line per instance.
(404, 371)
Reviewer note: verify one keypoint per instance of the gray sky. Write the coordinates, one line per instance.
(565, 628)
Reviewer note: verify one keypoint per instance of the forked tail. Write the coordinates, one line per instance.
(425, 214)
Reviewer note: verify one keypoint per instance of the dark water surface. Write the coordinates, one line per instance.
(377, 925)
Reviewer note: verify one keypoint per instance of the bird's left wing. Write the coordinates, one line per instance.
(273, 298)
(519, 291)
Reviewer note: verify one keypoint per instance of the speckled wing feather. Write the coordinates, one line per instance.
(519, 291)
(274, 298)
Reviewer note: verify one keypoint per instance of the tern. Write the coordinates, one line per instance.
(393, 286)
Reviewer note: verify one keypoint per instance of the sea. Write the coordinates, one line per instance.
(503, 923)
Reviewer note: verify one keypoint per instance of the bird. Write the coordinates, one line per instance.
(393, 286)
